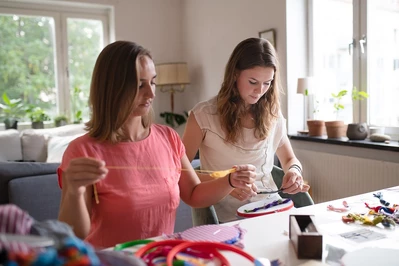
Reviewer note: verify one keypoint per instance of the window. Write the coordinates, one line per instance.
(355, 44)
(48, 54)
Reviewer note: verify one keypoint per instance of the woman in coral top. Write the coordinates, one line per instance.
(133, 166)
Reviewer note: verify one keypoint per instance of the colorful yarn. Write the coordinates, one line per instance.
(73, 252)
(267, 206)
(380, 197)
(378, 218)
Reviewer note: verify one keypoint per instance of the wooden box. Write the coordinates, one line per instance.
(305, 237)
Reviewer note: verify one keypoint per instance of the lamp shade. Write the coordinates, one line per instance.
(304, 85)
(172, 74)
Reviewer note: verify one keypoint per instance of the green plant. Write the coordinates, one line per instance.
(173, 119)
(37, 114)
(338, 97)
(12, 109)
(359, 95)
(60, 118)
(78, 117)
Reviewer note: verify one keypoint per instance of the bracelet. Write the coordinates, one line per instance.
(297, 167)
(231, 185)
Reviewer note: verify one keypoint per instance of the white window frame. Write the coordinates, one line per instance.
(60, 12)
(361, 110)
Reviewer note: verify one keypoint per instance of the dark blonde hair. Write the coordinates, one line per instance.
(250, 53)
(114, 87)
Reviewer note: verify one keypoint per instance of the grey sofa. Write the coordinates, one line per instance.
(33, 186)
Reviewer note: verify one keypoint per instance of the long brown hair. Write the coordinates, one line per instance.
(114, 87)
(248, 54)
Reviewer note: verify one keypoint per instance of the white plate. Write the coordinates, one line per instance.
(279, 208)
(371, 256)
(31, 240)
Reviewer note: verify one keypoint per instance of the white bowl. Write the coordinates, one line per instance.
(376, 130)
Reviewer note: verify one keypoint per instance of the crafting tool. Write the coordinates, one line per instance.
(269, 192)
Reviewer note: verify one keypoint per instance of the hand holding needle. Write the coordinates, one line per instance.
(269, 192)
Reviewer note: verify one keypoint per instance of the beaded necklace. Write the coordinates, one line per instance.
(267, 206)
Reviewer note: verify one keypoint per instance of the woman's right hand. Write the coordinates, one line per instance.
(82, 172)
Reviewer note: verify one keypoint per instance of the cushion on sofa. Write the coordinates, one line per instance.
(10, 145)
(34, 141)
(56, 147)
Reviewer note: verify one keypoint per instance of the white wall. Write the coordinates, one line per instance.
(211, 31)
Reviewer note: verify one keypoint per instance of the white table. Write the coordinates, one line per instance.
(267, 236)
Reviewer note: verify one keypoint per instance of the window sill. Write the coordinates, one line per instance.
(393, 145)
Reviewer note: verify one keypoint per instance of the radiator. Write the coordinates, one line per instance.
(333, 176)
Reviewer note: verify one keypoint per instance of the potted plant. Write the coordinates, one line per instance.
(336, 128)
(357, 131)
(12, 110)
(315, 125)
(60, 120)
(173, 119)
(37, 116)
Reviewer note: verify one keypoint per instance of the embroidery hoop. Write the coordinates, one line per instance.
(257, 204)
(213, 233)
(179, 245)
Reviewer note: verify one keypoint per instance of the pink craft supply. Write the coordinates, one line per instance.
(212, 232)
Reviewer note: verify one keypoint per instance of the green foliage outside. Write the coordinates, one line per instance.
(27, 56)
(27, 59)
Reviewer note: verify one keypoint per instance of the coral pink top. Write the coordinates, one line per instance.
(134, 203)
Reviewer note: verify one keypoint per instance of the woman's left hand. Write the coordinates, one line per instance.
(293, 182)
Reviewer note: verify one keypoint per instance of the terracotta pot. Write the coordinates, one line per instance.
(335, 129)
(357, 131)
(316, 128)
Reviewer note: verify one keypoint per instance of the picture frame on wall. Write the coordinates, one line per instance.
(269, 35)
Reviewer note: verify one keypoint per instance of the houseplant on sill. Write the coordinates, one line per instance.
(174, 120)
(60, 120)
(315, 125)
(37, 116)
(357, 131)
(336, 128)
(12, 110)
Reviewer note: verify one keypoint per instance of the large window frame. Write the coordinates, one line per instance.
(60, 12)
(361, 109)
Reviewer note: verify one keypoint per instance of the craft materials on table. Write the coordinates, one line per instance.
(339, 209)
(363, 235)
(199, 245)
(265, 206)
(386, 215)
